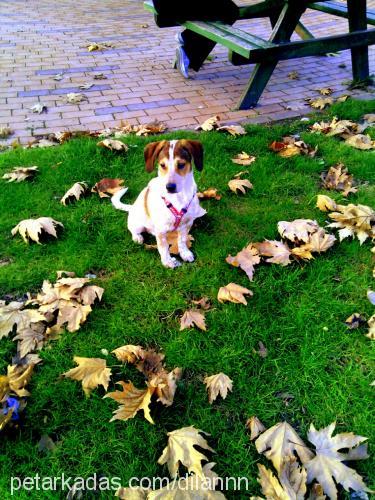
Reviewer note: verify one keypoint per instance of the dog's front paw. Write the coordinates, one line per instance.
(138, 238)
(187, 256)
(171, 263)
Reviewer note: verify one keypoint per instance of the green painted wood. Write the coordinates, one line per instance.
(317, 46)
(359, 53)
(340, 10)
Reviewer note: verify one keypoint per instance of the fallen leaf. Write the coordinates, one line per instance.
(277, 250)
(297, 230)
(321, 241)
(232, 129)
(343, 98)
(246, 259)
(255, 427)
(355, 321)
(99, 46)
(243, 159)
(32, 229)
(172, 240)
(113, 145)
(328, 462)
(192, 318)
(371, 324)
(129, 353)
(74, 193)
(325, 203)
(290, 146)
(325, 91)
(18, 377)
(335, 127)
(39, 108)
(360, 141)
(31, 338)
(233, 293)
(218, 384)
(181, 450)
(58, 76)
(46, 444)
(209, 124)
(92, 372)
(203, 303)
(86, 86)
(100, 76)
(5, 132)
(107, 187)
(75, 98)
(262, 352)
(354, 220)
(209, 193)
(294, 75)
(270, 485)
(320, 102)
(131, 400)
(339, 179)
(303, 252)
(20, 174)
(282, 441)
(73, 315)
(151, 128)
(236, 185)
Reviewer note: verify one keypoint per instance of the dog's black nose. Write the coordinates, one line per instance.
(171, 187)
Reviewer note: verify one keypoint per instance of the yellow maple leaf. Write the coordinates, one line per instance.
(236, 185)
(233, 293)
(31, 229)
(192, 318)
(91, 372)
(219, 383)
(131, 400)
(246, 259)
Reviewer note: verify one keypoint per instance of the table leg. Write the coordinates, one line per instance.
(282, 31)
(358, 21)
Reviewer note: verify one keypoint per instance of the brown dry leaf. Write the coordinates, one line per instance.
(277, 250)
(321, 241)
(243, 159)
(327, 466)
(192, 318)
(297, 230)
(99, 46)
(209, 124)
(236, 185)
(89, 294)
(218, 384)
(113, 145)
(255, 427)
(73, 315)
(181, 450)
(343, 98)
(107, 187)
(129, 353)
(303, 252)
(75, 97)
(191, 487)
(151, 363)
(290, 146)
(38, 108)
(203, 303)
(151, 128)
(131, 400)
(30, 338)
(320, 102)
(336, 127)
(371, 324)
(5, 132)
(209, 193)
(293, 479)
(74, 193)
(271, 487)
(339, 179)
(18, 377)
(86, 86)
(325, 203)
(32, 229)
(360, 141)
(294, 75)
(20, 174)
(91, 372)
(232, 130)
(355, 320)
(165, 384)
(316, 492)
(281, 441)
(233, 293)
(246, 259)
(354, 220)
(100, 76)
(15, 314)
(325, 91)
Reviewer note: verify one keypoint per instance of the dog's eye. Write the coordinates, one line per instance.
(180, 166)
(163, 166)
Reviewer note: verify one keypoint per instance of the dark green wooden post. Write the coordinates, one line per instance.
(358, 21)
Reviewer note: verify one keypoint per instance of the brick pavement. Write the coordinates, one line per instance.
(41, 38)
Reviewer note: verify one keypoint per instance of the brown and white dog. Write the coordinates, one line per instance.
(169, 202)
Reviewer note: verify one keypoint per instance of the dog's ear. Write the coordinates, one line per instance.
(195, 148)
(151, 153)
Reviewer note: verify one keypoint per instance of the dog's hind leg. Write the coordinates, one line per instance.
(163, 247)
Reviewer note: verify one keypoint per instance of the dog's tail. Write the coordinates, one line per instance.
(116, 200)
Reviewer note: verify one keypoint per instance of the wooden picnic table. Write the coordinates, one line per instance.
(285, 16)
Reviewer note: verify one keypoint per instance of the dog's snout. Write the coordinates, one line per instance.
(171, 187)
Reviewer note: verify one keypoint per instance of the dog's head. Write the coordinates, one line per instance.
(175, 159)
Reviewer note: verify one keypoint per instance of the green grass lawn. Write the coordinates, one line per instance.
(298, 311)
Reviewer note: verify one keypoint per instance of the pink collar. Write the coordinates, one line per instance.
(178, 214)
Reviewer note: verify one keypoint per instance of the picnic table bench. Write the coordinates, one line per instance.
(285, 15)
